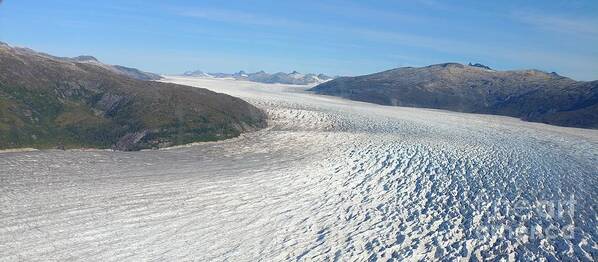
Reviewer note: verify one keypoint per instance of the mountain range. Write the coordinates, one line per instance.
(531, 95)
(48, 101)
(293, 78)
(122, 70)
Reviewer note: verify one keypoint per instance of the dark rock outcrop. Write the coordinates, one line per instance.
(480, 66)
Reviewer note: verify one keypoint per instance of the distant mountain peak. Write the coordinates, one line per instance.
(196, 73)
(293, 78)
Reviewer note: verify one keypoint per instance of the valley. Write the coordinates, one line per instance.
(327, 179)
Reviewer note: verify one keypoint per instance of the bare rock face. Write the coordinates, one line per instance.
(531, 95)
(480, 66)
(130, 141)
(85, 58)
(48, 101)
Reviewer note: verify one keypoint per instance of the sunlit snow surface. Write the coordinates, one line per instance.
(330, 179)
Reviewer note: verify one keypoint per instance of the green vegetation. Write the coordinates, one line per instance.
(37, 119)
(40, 120)
(46, 102)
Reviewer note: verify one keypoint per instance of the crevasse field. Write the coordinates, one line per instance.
(330, 179)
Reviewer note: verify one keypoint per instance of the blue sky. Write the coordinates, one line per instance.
(333, 37)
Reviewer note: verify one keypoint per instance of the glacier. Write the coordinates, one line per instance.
(329, 179)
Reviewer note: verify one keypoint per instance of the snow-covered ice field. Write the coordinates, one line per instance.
(330, 179)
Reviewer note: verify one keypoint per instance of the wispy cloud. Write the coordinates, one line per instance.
(451, 46)
(360, 11)
(562, 24)
(246, 18)
(239, 17)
